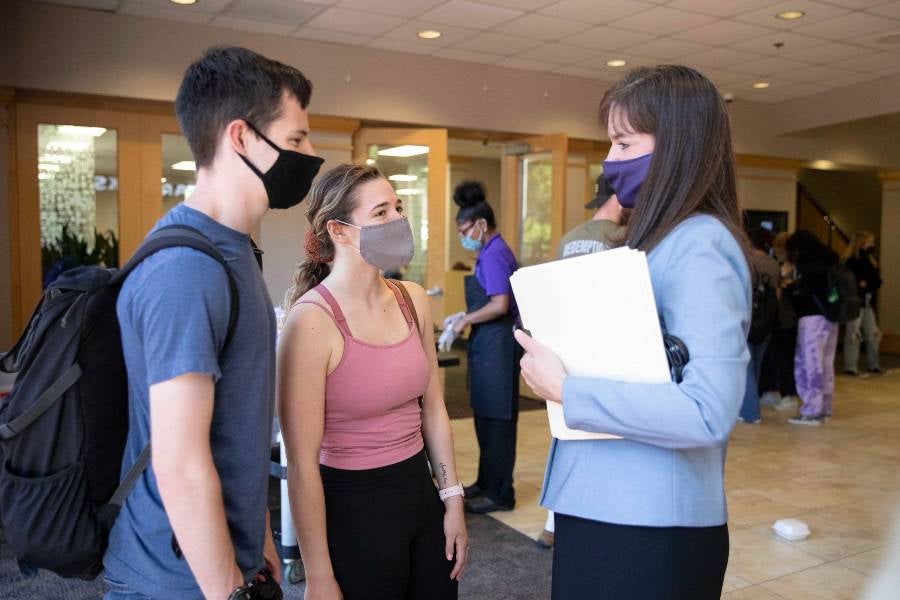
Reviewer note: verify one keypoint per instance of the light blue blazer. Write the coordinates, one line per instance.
(669, 468)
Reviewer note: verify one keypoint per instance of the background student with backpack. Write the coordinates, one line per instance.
(860, 260)
(813, 295)
(765, 273)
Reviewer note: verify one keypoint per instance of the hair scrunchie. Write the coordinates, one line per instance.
(313, 248)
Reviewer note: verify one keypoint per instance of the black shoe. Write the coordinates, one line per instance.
(484, 505)
(473, 491)
(876, 371)
(851, 372)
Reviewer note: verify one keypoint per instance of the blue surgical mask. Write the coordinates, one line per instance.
(626, 177)
(470, 244)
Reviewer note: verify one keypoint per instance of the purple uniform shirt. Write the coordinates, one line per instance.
(493, 268)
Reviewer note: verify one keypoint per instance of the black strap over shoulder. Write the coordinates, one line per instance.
(183, 236)
(173, 236)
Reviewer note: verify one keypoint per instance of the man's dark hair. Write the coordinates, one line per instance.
(229, 83)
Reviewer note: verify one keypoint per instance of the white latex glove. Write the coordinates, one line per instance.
(448, 336)
(452, 319)
(445, 342)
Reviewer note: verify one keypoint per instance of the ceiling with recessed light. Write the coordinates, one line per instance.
(797, 47)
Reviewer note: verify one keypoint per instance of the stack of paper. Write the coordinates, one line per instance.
(598, 313)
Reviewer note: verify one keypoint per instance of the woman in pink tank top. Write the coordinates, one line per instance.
(360, 401)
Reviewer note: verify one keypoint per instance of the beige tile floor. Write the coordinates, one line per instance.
(842, 479)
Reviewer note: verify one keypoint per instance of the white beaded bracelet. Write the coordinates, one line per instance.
(453, 490)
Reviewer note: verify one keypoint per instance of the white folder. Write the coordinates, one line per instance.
(598, 314)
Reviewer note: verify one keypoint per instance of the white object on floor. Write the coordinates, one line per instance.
(791, 529)
(596, 328)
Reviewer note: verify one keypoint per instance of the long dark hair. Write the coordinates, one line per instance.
(692, 169)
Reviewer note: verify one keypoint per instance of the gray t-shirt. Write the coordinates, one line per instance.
(174, 311)
(589, 237)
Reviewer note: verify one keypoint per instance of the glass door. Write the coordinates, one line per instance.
(534, 196)
(415, 162)
(75, 203)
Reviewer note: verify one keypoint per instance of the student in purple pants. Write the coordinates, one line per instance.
(816, 335)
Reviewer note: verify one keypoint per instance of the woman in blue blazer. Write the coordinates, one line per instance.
(644, 516)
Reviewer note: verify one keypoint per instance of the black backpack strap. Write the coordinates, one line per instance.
(44, 401)
(171, 237)
(183, 236)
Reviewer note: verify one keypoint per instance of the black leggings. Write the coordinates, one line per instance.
(592, 559)
(386, 532)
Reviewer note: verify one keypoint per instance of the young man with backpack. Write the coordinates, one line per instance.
(196, 522)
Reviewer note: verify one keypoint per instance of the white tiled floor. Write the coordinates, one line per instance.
(842, 479)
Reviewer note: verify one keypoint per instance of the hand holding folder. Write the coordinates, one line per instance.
(598, 314)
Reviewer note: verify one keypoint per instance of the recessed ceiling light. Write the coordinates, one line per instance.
(402, 177)
(429, 34)
(761, 85)
(790, 15)
(185, 165)
(183, 2)
(404, 151)
(616, 63)
(408, 192)
(370, 161)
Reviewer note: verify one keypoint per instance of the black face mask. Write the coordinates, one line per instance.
(288, 181)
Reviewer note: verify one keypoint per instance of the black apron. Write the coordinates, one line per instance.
(493, 359)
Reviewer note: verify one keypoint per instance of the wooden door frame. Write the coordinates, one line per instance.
(436, 140)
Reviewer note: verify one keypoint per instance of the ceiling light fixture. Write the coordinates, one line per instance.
(616, 63)
(402, 177)
(185, 165)
(761, 85)
(404, 151)
(408, 192)
(429, 34)
(790, 15)
(183, 2)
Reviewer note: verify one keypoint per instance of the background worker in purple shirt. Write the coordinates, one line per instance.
(493, 355)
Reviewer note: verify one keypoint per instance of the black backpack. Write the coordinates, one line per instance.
(765, 311)
(63, 427)
(841, 301)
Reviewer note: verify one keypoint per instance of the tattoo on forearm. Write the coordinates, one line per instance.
(444, 473)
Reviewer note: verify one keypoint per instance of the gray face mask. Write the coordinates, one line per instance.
(388, 246)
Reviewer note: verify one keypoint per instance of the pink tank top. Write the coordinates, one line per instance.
(372, 414)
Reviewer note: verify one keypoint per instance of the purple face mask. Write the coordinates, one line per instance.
(626, 177)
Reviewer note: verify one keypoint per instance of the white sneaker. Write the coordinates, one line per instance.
(770, 398)
(784, 403)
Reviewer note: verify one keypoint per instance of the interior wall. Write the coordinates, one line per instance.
(283, 232)
(768, 189)
(121, 55)
(889, 244)
(5, 308)
(852, 199)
